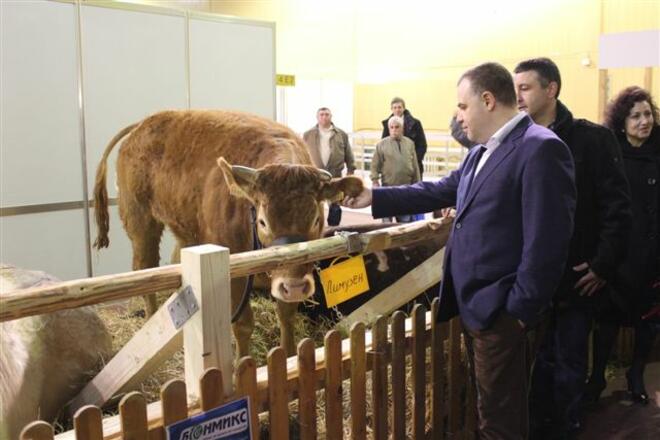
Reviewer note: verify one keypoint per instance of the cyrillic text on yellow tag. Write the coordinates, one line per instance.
(345, 280)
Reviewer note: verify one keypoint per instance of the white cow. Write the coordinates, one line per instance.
(46, 359)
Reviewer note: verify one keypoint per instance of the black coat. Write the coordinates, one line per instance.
(642, 264)
(412, 128)
(602, 217)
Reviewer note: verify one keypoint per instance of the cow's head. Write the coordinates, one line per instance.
(288, 201)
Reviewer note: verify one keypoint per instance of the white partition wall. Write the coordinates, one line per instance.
(133, 64)
(232, 65)
(40, 120)
(302, 101)
(40, 149)
(76, 73)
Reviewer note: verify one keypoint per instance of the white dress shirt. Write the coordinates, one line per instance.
(497, 138)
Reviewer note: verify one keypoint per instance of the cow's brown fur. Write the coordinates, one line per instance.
(168, 174)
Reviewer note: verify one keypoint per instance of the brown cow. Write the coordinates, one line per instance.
(46, 359)
(173, 170)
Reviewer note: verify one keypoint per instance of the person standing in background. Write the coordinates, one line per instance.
(602, 224)
(395, 162)
(635, 120)
(330, 150)
(412, 129)
(459, 134)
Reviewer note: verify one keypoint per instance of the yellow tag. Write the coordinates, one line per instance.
(285, 80)
(344, 280)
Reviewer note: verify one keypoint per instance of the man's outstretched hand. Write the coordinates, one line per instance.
(362, 200)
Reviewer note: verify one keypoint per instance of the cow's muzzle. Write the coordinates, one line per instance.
(291, 288)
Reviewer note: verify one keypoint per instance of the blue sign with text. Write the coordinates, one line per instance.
(228, 422)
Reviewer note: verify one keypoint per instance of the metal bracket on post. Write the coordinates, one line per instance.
(183, 307)
(353, 241)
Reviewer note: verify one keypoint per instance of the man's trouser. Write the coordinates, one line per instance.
(560, 371)
(334, 214)
(499, 362)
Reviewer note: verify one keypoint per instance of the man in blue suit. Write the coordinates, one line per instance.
(515, 200)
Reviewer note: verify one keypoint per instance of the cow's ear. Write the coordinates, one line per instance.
(241, 181)
(336, 189)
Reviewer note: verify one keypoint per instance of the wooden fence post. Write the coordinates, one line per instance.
(207, 334)
(37, 430)
(379, 383)
(455, 382)
(358, 382)
(418, 372)
(88, 423)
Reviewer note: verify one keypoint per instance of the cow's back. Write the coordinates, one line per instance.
(187, 143)
(169, 162)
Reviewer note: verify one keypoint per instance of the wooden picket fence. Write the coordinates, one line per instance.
(379, 357)
(430, 351)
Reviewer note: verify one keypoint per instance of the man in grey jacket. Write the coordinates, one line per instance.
(330, 150)
(395, 162)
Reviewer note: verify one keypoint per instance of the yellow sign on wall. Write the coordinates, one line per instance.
(285, 80)
(344, 280)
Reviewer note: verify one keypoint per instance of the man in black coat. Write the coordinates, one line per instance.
(412, 129)
(602, 223)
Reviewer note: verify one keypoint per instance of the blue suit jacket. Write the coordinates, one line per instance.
(509, 243)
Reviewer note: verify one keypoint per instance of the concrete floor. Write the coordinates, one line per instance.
(615, 417)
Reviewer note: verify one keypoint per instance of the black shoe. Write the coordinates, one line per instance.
(636, 389)
(592, 391)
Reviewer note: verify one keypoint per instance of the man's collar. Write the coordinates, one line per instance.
(499, 136)
(563, 117)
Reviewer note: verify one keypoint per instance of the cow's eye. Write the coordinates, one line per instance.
(262, 223)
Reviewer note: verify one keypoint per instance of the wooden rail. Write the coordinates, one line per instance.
(88, 291)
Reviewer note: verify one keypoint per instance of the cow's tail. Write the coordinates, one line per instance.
(101, 192)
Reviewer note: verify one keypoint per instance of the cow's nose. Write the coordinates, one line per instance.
(294, 289)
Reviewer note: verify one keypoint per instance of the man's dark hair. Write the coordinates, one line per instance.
(493, 78)
(545, 68)
(322, 109)
(396, 99)
(619, 108)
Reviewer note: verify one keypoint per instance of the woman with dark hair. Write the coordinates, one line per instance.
(633, 116)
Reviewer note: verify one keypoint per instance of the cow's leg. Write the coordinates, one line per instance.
(244, 325)
(144, 232)
(286, 312)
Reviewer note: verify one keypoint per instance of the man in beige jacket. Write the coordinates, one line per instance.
(330, 150)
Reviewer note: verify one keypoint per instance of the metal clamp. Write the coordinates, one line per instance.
(183, 307)
(353, 241)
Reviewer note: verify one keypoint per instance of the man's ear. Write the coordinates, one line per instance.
(240, 180)
(336, 189)
(488, 99)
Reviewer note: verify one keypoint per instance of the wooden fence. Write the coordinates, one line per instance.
(414, 368)
(271, 387)
(442, 400)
